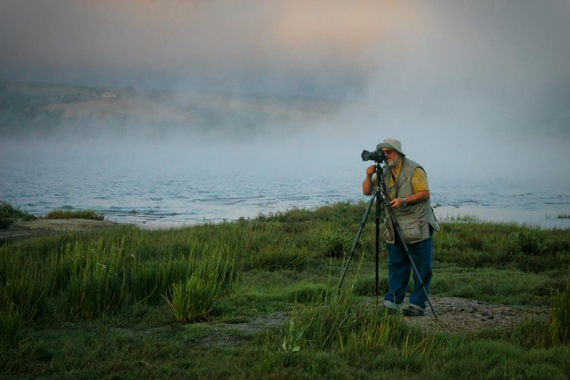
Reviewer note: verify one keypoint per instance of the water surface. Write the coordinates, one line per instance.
(172, 190)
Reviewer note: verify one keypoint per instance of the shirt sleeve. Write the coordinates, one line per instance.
(419, 180)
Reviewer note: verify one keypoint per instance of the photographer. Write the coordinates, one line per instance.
(409, 198)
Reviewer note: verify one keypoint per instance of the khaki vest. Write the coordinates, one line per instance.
(414, 220)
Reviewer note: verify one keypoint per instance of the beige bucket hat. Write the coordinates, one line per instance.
(391, 144)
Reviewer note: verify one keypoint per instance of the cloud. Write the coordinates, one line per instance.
(253, 43)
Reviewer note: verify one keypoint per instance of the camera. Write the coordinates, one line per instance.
(376, 155)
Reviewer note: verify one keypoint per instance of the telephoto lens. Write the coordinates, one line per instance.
(377, 156)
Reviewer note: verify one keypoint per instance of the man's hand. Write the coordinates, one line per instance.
(397, 203)
(370, 170)
(420, 196)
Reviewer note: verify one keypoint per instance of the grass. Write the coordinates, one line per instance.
(8, 214)
(126, 302)
(71, 214)
(563, 216)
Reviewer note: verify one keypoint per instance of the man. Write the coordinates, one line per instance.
(409, 198)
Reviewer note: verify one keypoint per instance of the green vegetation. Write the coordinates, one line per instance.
(563, 216)
(125, 302)
(8, 214)
(69, 214)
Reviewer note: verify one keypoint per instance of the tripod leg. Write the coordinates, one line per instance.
(377, 244)
(362, 224)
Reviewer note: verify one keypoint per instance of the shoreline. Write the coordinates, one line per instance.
(542, 218)
(21, 229)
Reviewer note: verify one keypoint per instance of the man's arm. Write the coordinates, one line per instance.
(367, 185)
(420, 196)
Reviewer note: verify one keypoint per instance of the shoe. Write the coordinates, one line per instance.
(392, 308)
(414, 311)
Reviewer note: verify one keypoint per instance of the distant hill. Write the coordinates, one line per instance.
(44, 111)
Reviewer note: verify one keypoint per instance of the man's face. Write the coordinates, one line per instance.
(392, 157)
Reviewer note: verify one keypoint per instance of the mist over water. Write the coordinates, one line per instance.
(272, 110)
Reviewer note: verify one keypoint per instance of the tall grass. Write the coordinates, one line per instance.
(10, 325)
(22, 294)
(23, 288)
(192, 301)
(88, 277)
(347, 325)
(560, 317)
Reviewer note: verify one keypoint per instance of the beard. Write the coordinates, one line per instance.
(393, 163)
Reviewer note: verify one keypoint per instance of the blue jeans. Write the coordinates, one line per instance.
(399, 267)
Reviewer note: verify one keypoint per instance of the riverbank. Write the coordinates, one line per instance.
(113, 302)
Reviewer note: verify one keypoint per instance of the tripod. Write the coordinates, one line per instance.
(379, 194)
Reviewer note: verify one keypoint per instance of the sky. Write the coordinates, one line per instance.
(467, 86)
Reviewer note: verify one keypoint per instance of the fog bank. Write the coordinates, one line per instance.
(474, 90)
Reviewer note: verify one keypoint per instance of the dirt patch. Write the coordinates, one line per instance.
(455, 315)
(462, 315)
(24, 229)
(232, 334)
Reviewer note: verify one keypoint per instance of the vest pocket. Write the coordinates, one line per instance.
(388, 233)
(411, 230)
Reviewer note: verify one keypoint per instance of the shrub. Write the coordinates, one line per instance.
(70, 214)
(334, 243)
(276, 257)
(532, 241)
(8, 214)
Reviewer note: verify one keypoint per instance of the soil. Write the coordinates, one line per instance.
(455, 315)
(20, 229)
(461, 315)
(232, 334)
